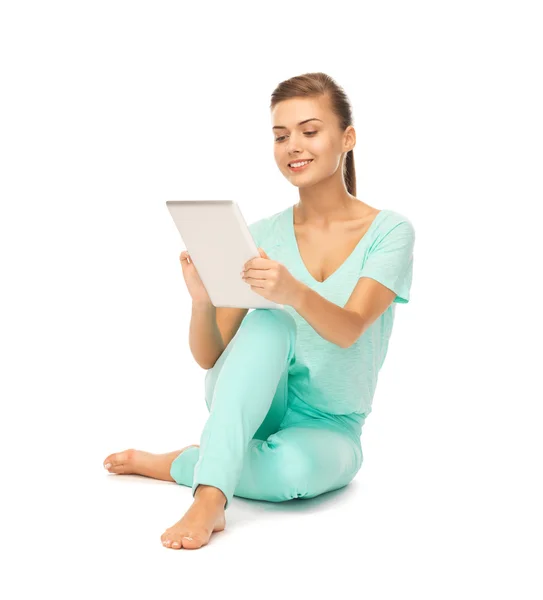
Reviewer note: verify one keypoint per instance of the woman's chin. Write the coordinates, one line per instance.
(299, 181)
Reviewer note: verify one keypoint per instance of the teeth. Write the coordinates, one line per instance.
(300, 163)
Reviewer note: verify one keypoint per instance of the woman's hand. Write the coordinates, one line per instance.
(194, 284)
(272, 280)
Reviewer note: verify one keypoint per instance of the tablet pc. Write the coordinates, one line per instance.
(219, 243)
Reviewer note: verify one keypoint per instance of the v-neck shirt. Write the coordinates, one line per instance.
(335, 380)
(299, 255)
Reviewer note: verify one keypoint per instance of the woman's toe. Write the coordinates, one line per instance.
(120, 461)
(192, 542)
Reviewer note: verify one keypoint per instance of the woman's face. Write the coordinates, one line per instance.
(321, 141)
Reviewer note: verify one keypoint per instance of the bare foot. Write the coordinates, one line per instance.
(138, 462)
(204, 517)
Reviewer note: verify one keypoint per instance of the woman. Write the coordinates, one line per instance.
(296, 385)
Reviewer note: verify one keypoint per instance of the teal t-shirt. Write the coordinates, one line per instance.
(330, 378)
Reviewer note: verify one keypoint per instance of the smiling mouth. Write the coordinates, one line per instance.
(304, 165)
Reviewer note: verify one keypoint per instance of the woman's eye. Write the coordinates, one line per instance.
(305, 133)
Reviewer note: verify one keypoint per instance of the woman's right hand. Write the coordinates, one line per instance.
(194, 284)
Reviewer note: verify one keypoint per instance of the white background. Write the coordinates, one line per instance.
(108, 109)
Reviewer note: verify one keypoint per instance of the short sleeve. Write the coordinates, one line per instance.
(390, 261)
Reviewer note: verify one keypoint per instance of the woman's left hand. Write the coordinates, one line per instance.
(272, 280)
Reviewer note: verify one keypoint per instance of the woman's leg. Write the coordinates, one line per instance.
(295, 455)
(299, 461)
(246, 394)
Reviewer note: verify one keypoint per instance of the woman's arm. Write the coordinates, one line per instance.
(335, 324)
(205, 340)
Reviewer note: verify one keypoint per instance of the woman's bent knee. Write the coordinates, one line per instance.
(273, 321)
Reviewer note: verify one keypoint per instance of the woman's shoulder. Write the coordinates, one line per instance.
(392, 220)
(391, 216)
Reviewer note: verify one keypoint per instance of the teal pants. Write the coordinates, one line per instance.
(261, 441)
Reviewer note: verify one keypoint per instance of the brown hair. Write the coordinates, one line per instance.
(320, 84)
